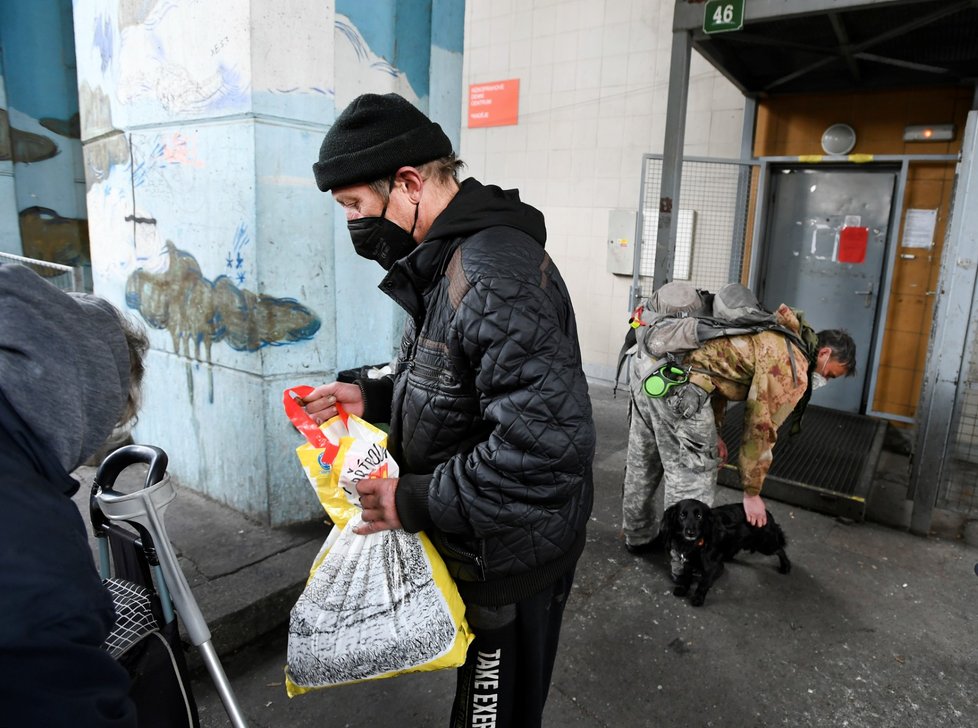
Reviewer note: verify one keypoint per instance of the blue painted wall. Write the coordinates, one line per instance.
(397, 30)
(41, 199)
(445, 89)
(39, 52)
(206, 221)
(394, 51)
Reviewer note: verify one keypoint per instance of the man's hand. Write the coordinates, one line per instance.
(722, 451)
(755, 510)
(379, 508)
(320, 403)
(688, 399)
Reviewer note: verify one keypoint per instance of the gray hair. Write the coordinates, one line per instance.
(842, 345)
(443, 170)
(138, 344)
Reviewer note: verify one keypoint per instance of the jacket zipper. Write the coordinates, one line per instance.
(431, 372)
(464, 555)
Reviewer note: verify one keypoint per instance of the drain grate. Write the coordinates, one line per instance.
(828, 467)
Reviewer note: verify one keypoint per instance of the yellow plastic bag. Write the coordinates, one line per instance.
(374, 606)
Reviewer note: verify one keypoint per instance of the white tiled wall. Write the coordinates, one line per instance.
(594, 78)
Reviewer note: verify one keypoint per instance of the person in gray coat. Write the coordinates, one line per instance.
(70, 372)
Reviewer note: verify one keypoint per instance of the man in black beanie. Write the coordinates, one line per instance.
(490, 419)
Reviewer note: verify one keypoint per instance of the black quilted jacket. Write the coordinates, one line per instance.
(489, 410)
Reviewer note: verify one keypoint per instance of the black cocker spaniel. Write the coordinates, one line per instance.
(704, 538)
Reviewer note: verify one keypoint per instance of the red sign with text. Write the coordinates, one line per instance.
(494, 104)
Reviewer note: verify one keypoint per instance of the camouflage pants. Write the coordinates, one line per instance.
(665, 448)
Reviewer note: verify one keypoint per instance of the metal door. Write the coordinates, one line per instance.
(823, 252)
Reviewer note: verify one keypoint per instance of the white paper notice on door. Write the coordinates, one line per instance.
(918, 231)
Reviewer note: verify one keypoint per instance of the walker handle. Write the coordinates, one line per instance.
(114, 463)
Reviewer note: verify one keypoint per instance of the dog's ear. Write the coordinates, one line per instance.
(716, 527)
(669, 517)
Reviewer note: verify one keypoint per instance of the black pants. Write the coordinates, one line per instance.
(506, 675)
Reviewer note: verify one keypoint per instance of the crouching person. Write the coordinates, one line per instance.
(674, 439)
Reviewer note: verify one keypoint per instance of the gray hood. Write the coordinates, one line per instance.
(64, 364)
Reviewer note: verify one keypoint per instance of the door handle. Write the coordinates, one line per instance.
(868, 294)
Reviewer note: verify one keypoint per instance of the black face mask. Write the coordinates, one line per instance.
(377, 238)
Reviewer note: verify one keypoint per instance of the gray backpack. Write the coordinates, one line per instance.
(678, 318)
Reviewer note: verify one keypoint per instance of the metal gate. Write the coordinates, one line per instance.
(945, 462)
(714, 200)
(958, 490)
(959, 486)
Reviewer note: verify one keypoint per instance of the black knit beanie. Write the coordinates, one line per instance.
(375, 136)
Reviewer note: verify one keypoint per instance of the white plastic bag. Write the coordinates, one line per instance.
(372, 609)
(377, 605)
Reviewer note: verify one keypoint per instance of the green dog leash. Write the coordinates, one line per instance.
(659, 382)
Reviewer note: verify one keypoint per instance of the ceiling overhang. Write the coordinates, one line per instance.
(789, 46)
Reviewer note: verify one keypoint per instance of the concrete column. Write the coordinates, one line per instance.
(200, 124)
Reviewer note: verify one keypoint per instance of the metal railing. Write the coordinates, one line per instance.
(65, 277)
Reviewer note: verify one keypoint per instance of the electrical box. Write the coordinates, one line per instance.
(621, 241)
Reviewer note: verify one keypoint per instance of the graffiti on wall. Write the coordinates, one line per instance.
(235, 262)
(199, 313)
(159, 201)
(167, 206)
(149, 57)
(359, 68)
(167, 285)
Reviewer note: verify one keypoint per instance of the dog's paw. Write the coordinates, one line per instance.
(697, 600)
(784, 565)
(680, 591)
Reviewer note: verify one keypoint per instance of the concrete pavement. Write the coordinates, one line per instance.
(873, 627)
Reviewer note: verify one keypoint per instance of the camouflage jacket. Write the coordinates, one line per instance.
(756, 369)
